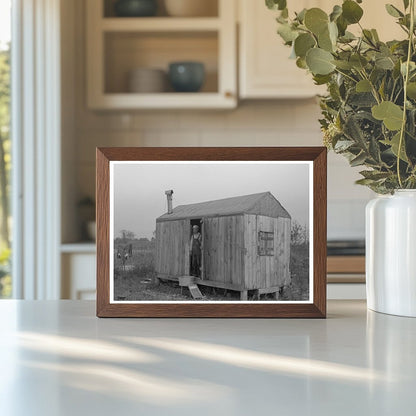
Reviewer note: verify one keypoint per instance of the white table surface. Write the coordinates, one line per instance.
(57, 358)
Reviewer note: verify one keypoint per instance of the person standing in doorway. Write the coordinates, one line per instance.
(195, 251)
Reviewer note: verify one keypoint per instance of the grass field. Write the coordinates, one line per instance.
(135, 280)
(299, 270)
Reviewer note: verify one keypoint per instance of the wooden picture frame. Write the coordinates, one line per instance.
(315, 157)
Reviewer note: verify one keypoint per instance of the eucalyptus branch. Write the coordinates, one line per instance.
(406, 80)
(385, 96)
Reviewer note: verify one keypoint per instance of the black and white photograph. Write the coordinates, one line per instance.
(211, 231)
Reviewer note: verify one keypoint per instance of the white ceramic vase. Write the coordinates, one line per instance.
(391, 253)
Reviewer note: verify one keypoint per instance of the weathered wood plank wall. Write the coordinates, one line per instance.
(230, 250)
(266, 271)
(172, 245)
(224, 250)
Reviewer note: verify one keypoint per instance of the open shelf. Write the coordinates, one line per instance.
(210, 6)
(119, 45)
(87, 247)
(160, 24)
(127, 51)
(168, 100)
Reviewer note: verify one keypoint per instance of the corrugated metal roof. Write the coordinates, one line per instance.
(262, 204)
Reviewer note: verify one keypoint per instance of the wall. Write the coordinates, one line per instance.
(254, 123)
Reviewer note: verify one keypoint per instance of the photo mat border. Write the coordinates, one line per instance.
(181, 162)
(314, 308)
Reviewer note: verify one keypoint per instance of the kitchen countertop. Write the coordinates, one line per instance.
(57, 358)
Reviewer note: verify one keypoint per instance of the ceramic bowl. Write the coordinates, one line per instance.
(135, 8)
(186, 76)
(147, 80)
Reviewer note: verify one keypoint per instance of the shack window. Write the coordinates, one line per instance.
(266, 243)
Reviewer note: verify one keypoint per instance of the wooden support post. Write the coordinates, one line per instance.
(187, 259)
(244, 295)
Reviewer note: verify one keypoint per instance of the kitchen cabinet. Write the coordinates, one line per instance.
(264, 65)
(78, 263)
(265, 70)
(118, 45)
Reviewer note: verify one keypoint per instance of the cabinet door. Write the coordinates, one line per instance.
(265, 68)
(78, 276)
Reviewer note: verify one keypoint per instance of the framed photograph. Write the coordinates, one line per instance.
(211, 232)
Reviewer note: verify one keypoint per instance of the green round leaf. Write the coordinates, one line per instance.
(316, 20)
(375, 35)
(351, 11)
(344, 65)
(333, 32)
(363, 86)
(394, 146)
(336, 12)
(322, 79)
(301, 15)
(358, 61)
(287, 33)
(391, 114)
(328, 38)
(303, 43)
(301, 63)
(384, 62)
(411, 90)
(276, 4)
(393, 11)
(324, 41)
(342, 25)
(319, 61)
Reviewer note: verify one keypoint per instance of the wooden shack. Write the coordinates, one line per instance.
(245, 243)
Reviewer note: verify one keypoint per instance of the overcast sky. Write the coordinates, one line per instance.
(139, 189)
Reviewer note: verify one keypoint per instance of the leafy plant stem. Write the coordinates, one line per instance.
(406, 80)
(405, 30)
(346, 75)
(392, 91)
(373, 88)
(398, 95)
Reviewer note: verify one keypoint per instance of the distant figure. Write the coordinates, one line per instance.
(195, 251)
(124, 258)
(119, 255)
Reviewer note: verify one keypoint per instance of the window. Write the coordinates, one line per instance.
(266, 243)
(5, 160)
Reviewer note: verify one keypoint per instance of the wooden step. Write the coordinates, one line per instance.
(186, 280)
(195, 292)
